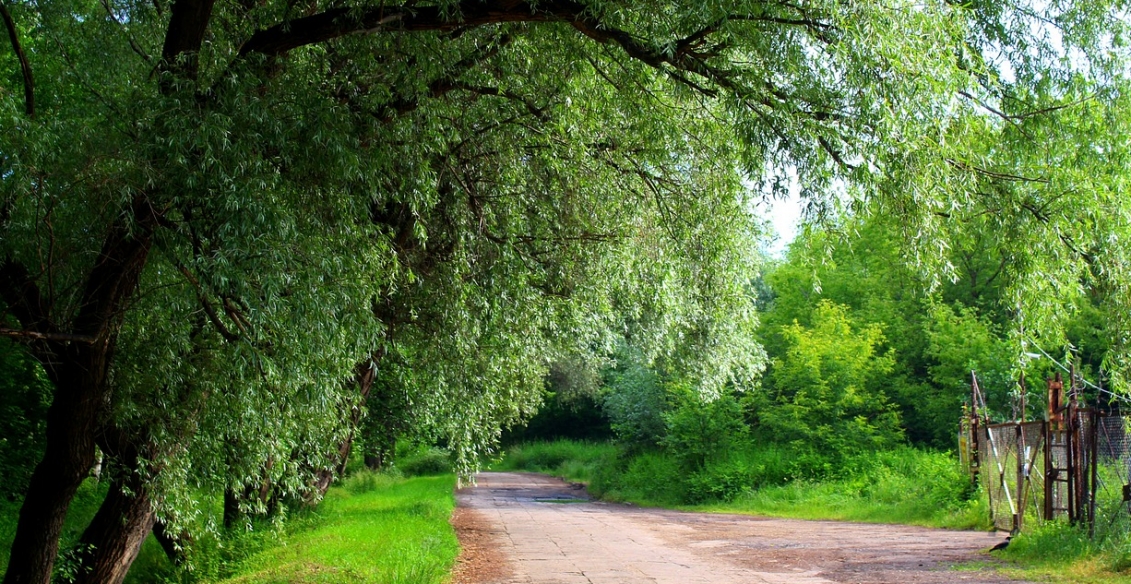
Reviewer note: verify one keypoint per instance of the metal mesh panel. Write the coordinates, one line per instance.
(1113, 458)
(1010, 458)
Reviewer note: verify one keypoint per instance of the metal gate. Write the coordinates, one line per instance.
(1075, 464)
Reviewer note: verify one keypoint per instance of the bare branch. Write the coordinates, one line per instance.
(38, 336)
(994, 174)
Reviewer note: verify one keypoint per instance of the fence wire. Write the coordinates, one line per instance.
(1011, 465)
(1015, 465)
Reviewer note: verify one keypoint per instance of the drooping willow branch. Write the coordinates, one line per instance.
(25, 66)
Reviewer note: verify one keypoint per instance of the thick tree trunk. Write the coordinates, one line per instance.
(71, 423)
(78, 370)
(115, 535)
(232, 513)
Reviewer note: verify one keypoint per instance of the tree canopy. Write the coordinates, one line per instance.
(222, 223)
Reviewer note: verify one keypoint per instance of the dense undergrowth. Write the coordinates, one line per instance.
(901, 485)
(904, 485)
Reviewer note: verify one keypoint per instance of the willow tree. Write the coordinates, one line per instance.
(214, 214)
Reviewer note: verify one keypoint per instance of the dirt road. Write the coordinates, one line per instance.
(521, 528)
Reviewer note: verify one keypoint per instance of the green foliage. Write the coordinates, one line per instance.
(24, 397)
(701, 429)
(634, 400)
(463, 209)
(962, 342)
(826, 390)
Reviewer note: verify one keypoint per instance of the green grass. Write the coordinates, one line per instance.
(572, 460)
(372, 529)
(1059, 552)
(904, 485)
(82, 510)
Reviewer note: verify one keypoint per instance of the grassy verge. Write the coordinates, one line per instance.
(1058, 552)
(374, 528)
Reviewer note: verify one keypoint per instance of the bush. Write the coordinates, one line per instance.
(745, 469)
(649, 478)
(429, 462)
(826, 391)
(701, 431)
(634, 401)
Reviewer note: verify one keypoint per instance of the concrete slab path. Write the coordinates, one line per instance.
(532, 529)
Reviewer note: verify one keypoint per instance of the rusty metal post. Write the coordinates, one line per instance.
(1070, 455)
(1019, 510)
(1056, 398)
(974, 443)
(1093, 465)
(1050, 471)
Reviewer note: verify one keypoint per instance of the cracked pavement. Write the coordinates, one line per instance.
(531, 529)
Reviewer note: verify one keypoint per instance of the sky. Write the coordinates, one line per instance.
(784, 216)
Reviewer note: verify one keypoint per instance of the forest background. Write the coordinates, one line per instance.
(242, 244)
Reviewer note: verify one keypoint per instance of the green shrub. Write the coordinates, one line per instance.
(648, 478)
(570, 459)
(826, 391)
(430, 462)
(634, 400)
(700, 430)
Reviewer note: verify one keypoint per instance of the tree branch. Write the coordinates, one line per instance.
(25, 67)
(187, 25)
(339, 22)
(38, 336)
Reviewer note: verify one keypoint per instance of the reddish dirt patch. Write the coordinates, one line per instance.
(479, 559)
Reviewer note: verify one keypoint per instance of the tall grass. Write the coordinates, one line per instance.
(1056, 551)
(904, 485)
(373, 529)
(572, 460)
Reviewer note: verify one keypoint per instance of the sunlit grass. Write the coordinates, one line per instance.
(573, 460)
(883, 502)
(372, 529)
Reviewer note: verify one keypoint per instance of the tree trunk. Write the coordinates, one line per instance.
(232, 513)
(174, 544)
(117, 531)
(71, 421)
(364, 374)
(77, 370)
